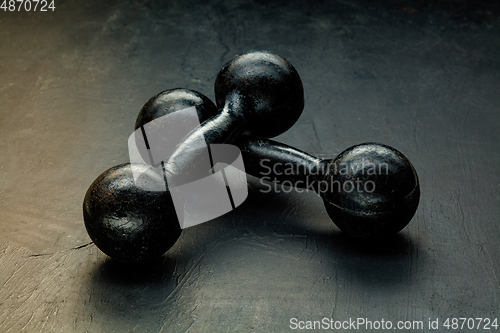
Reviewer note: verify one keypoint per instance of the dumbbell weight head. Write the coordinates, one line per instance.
(267, 86)
(372, 191)
(126, 222)
(173, 100)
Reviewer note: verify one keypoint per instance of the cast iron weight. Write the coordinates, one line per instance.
(124, 221)
(173, 100)
(370, 190)
(258, 93)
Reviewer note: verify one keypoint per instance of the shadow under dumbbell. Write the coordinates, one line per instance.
(124, 294)
(393, 261)
(120, 273)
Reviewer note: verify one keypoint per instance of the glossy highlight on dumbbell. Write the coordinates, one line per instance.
(376, 211)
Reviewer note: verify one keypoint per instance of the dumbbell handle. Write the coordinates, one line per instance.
(222, 128)
(282, 164)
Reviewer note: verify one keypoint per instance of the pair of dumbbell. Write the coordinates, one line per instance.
(369, 190)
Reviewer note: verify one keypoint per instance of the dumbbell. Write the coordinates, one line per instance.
(370, 190)
(258, 93)
(125, 221)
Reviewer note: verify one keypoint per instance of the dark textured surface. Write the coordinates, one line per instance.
(421, 76)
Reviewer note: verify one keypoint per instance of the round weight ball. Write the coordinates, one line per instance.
(263, 87)
(173, 100)
(376, 191)
(126, 222)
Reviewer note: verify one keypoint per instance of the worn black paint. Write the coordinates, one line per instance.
(371, 191)
(126, 222)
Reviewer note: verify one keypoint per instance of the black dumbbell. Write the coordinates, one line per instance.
(370, 191)
(125, 221)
